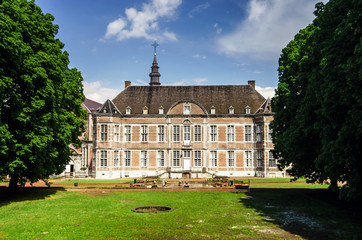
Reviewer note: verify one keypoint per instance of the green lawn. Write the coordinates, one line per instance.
(106, 214)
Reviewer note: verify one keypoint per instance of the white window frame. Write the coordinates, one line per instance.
(230, 133)
(248, 133)
(259, 158)
(272, 162)
(187, 133)
(161, 133)
(176, 158)
(270, 131)
(213, 158)
(248, 159)
(176, 133)
(197, 158)
(127, 133)
(213, 133)
(144, 133)
(231, 159)
(127, 158)
(116, 133)
(161, 158)
(187, 109)
(197, 133)
(116, 158)
(258, 133)
(143, 159)
(103, 158)
(104, 132)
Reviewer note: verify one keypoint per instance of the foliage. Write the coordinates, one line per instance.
(317, 128)
(40, 97)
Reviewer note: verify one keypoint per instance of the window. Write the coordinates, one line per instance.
(176, 133)
(161, 158)
(270, 131)
(231, 110)
(248, 133)
(103, 158)
(127, 158)
(187, 133)
(128, 110)
(272, 162)
(116, 159)
(212, 110)
(248, 159)
(127, 133)
(230, 134)
(247, 110)
(258, 133)
(213, 133)
(187, 109)
(197, 158)
(197, 133)
(116, 133)
(104, 132)
(143, 158)
(231, 158)
(187, 154)
(161, 133)
(145, 110)
(213, 158)
(160, 110)
(259, 158)
(176, 158)
(144, 133)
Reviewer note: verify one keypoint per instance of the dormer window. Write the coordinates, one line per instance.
(160, 110)
(247, 110)
(145, 110)
(212, 110)
(128, 110)
(231, 110)
(187, 109)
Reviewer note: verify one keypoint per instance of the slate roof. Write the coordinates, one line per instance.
(108, 107)
(219, 96)
(91, 105)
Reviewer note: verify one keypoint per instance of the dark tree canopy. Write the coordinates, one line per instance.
(317, 126)
(40, 97)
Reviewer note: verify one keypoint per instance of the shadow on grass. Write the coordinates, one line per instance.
(309, 213)
(25, 194)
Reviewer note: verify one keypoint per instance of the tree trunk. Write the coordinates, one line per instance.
(334, 186)
(13, 184)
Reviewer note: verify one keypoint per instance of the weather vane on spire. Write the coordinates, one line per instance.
(155, 45)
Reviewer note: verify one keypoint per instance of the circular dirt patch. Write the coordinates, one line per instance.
(152, 209)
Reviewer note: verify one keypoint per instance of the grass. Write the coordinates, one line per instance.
(106, 214)
(91, 181)
(269, 180)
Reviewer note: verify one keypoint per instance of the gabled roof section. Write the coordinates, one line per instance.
(219, 96)
(108, 107)
(91, 106)
(265, 107)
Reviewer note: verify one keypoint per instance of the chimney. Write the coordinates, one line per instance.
(127, 84)
(252, 83)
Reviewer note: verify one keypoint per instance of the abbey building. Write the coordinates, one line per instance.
(177, 132)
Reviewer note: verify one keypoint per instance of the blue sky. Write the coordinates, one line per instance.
(210, 42)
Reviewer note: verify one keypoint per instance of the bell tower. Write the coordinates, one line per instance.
(155, 75)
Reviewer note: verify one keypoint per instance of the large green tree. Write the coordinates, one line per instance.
(40, 97)
(317, 127)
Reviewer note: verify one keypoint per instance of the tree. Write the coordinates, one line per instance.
(317, 126)
(40, 97)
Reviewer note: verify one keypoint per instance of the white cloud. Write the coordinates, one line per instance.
(266, 91)
(96, 92)
(199, 56)
(198, 8)
(217, 28)
(199, 81)
(144, 23)
(269, 26)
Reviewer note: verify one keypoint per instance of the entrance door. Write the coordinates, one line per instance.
(187, 160)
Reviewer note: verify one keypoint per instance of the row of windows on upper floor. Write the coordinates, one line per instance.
(187, 110)
(176, 136)
(177, 157)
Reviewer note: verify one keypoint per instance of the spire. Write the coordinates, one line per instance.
(155, 75)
